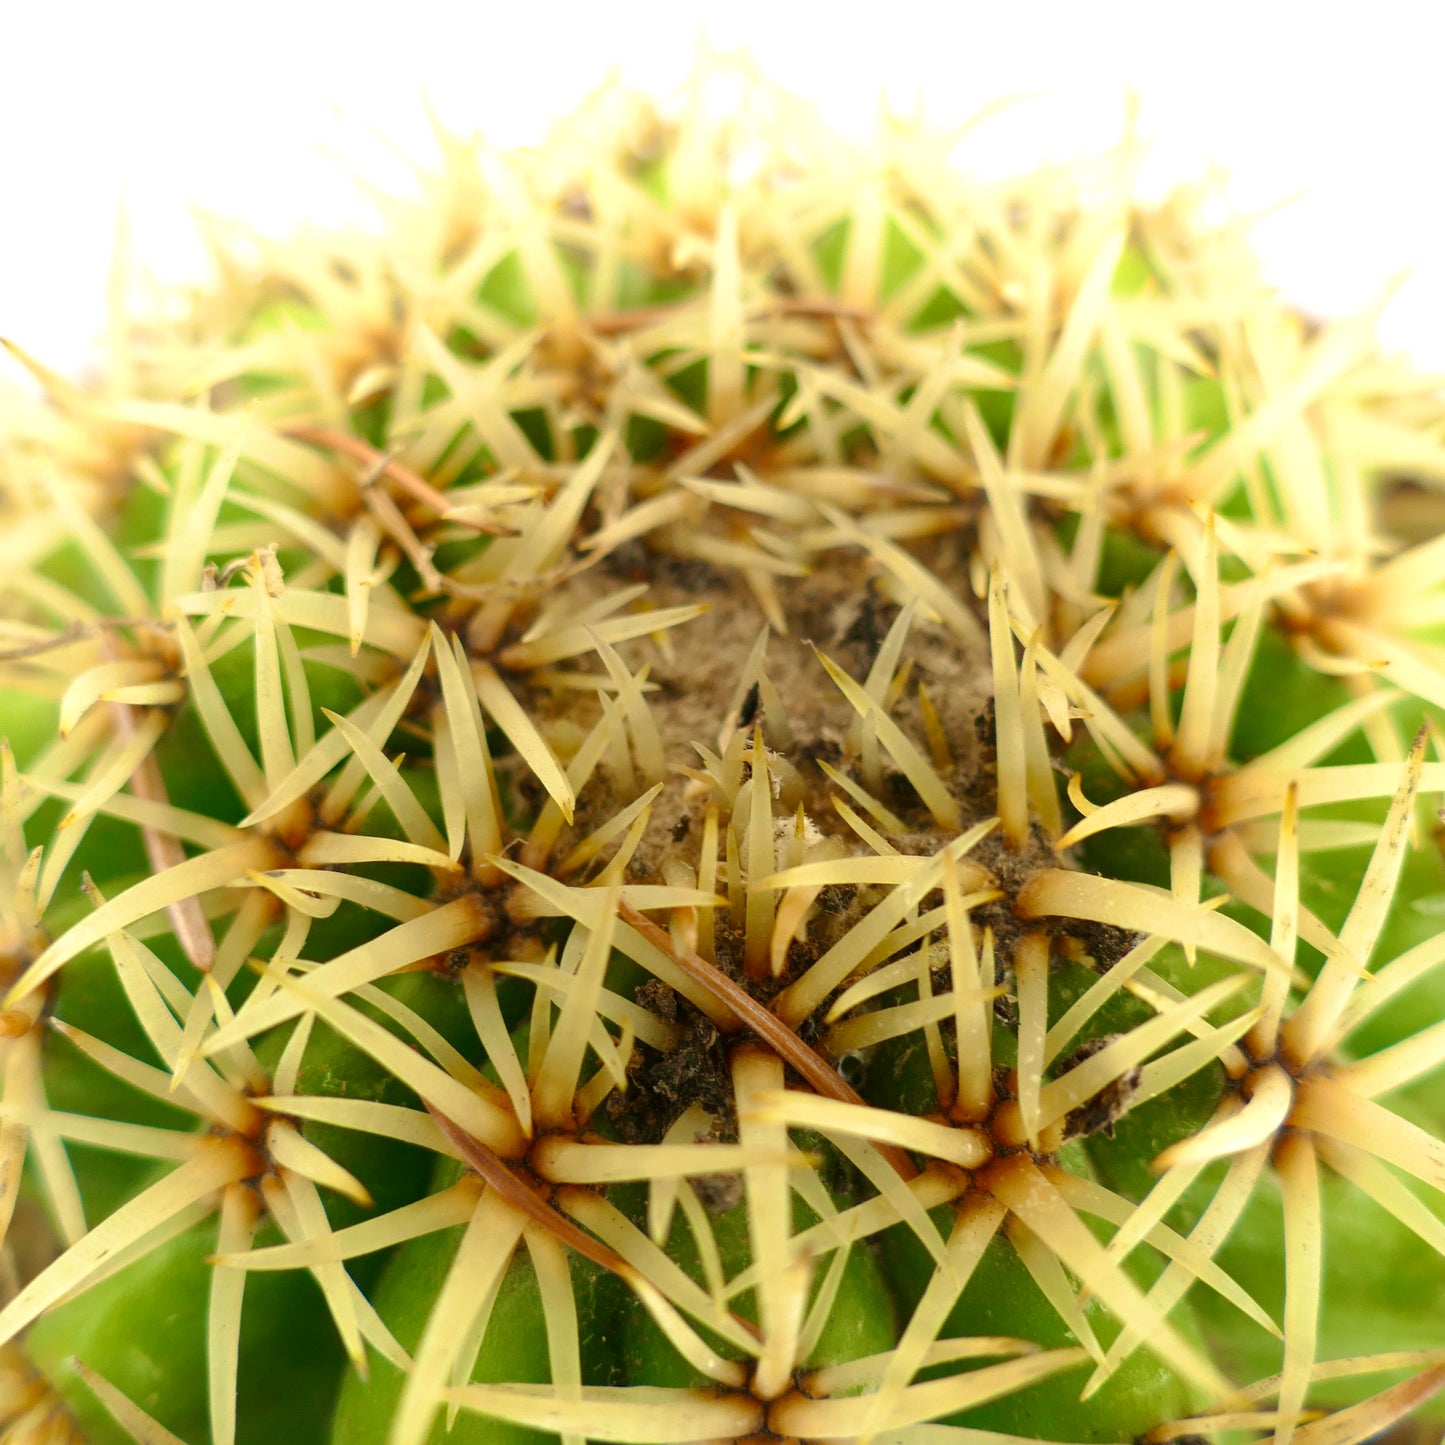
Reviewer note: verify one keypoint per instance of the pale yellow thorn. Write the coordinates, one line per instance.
(290, 1149)
(1314, 1021)
(1208, 1046)
(464, 1300)
(1294, 1160)
(475, 779)
(557, 1078)
(1031, 971)
(807, 993)
(141, 1427)
(1160, 710)
(228, 1161)
(186, 880)
(1335, 1111)
(1391, 1193)
(1011, 770)
(1270, 1099)
(1055, 1286)
(1091, 1198)
(915, 767)
(1018, 1183)
(761, 858)
(648, 1257)
(836, 1419)
(635, 1415)
(1402, 1063)
(562, 1160)
(523, 734)
(1063, 1095)
(1178, 802)
(1371, 1419)
(1098, 993)
(853, 1375)
(1018, 559)
(1284, 927)
(414, 819)
(239, 1217)
(442, 1210)
(1142, 909)
(1189, 753)
(782, 1295)
(215, 714)
(1209, 1234)
(965, 1147)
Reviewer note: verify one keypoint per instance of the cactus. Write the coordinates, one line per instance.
(725, 787)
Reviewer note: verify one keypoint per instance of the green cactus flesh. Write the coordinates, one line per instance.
(719, 787)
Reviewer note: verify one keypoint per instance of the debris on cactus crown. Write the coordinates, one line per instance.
(737, 788)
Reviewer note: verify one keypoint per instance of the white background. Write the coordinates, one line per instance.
(255, 108)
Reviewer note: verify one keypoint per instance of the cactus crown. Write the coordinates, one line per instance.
(738, 736)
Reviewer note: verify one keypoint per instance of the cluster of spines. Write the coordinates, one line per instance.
(437, 564)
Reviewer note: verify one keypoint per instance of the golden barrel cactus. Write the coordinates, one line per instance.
(720, 787)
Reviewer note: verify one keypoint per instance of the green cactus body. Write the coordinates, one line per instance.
(723, 789)
(159, 1351)
(413, 1279)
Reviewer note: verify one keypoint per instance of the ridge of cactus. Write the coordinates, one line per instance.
(721, 786)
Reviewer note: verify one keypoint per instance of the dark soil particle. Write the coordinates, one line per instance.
(985, 727)
(865, 633)
(1106, 1108)
(660, 1086)
(748, 713)
(1098, 945)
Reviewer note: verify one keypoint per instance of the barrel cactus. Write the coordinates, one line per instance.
(720, 786)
